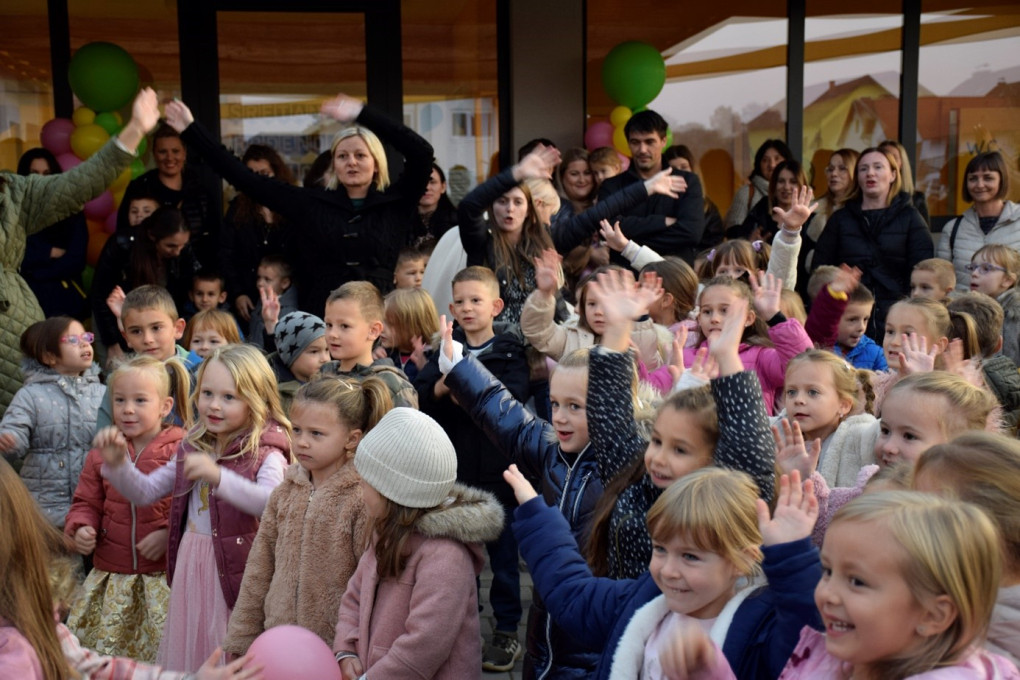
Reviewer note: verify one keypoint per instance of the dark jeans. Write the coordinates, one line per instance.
(505, 593)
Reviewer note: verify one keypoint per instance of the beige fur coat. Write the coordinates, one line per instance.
(307, 548)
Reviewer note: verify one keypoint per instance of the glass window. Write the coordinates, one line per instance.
(969, 84)
(26, 91)
(449, 53)
(276, 68)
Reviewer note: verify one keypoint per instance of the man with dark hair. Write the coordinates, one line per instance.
(669, 226)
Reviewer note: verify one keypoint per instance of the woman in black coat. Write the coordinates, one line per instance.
(355, 228)
(880, 232)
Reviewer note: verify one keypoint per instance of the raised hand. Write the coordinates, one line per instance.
(112, 446)
(201, 467)
(523, 491)
(235, 670)
(85, 540)
(270, 308)
(622, 303)
(725, 348)
(795, 514)
(115, 301)
(967, 368)
(547, 271)
(666, 183)
(343, 108)
(794, 218)
(792, 454)
(846, 280)
(178, 115)
(768, 294)
(418, 352)
(446, 328)
(613, 235)
(916, 357)
(538, 164)
(144, 117)
(704, 367)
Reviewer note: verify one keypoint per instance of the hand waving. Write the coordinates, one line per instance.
(523, 490)
(112, 446)
(343, 108)
(768, 293)
(613, 235)
(666, 183)
(792, 454)
(538, 164)
(795, 514)
(178, 115)
(794, 218)
(915, 356)
(547, 271)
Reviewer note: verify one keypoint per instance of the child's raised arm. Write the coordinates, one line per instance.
(745, 440)
(137, 487)
(538, 316)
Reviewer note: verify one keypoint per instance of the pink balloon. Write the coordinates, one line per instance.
(624, 161)
(56, 136)
(111, 222)
(67, 160)
(287, 652)
(100, 206)
(599, 134)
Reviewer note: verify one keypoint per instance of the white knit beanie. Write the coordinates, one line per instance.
(408, 458)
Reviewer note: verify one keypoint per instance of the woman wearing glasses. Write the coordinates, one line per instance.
(48, 426)
(991, 218)
(878, 231)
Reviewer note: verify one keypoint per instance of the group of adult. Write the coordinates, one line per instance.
(352, 223)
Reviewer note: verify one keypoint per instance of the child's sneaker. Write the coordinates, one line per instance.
(501, 653)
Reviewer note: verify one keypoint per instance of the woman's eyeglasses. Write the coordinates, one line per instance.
(83, 339)
(985, 268)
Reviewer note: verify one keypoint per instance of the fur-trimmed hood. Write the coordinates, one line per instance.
(467, 515)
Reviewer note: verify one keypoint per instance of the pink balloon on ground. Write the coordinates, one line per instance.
(56, 136)
(287, 652)
(598, 134)
(111, 222)
(100, 206)
(67, 160)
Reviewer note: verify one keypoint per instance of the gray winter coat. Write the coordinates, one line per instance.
(970, 239)
(52, 419)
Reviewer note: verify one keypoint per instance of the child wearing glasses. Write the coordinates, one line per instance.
(48, 426)
(995, 270)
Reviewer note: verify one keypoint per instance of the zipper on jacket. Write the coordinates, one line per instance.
(304, 521)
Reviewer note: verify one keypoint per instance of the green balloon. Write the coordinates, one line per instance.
(633, 74)
(142, 146)
(137, 168)
(108, 122)
(86, 277)
(103, 75)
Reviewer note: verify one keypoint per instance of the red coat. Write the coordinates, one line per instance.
(120, 524)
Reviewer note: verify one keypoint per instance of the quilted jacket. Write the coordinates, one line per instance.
(970, 239)
(27, 205)
(52, 419)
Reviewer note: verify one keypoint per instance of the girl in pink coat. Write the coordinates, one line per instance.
(411, 608)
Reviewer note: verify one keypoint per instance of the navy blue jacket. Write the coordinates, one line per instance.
(595, 611)
(568, 482)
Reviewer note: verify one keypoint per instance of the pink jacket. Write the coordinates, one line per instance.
(424, 623)
(789, 338)
(810, 660)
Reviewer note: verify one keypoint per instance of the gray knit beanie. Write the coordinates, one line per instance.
(294, 332)
(408, 458)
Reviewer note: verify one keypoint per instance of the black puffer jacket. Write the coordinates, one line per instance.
(334, 241)
(885, 251)
(569, 482)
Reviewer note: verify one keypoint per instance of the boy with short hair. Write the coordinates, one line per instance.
(999, 371)
(839, 318)
(153, 327)
(476, 303)
(140, 207)
(301, 348)
(277, 298)
(933, 278)
(410, 268)
(354, 321)
(208, 291)
(604, 163)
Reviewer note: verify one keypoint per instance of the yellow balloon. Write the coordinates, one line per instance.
(118, 195)
(88, 139)
(121, 182)
(619, 116)
(620, 141)
(83, 115)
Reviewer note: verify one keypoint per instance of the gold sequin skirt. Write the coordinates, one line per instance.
(121, 614)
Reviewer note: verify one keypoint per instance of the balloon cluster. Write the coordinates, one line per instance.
(633, 75)
(105, 78)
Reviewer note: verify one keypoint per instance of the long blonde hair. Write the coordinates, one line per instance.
(255, 385)
(952, 549)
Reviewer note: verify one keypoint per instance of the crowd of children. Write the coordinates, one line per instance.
(707, 474)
